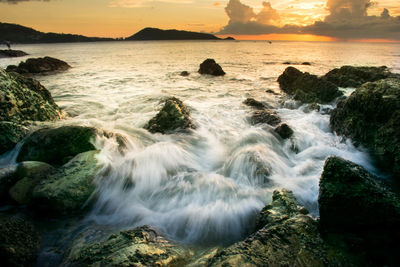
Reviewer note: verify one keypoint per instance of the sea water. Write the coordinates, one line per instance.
(207, 186)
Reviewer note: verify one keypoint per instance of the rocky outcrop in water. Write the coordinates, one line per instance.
(209, 66)
(12, 53)
(68, 188)
(57, 146)
(39, 65)
(25, 99)
(350, 76)
(284, 131)
(185, 73)
(288, 237)
(141, 246)
(264, 116)
(251, 102)
(19, 242)
(174, 116)
(371, 116)
(360, 211)
(306, 87)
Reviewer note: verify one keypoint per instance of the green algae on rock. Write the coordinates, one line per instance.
(24, 99)
(306, 87)
(69, 187)
(174, 116)
(10, 134)
(371, 116)
(57, 145)
(141, 246)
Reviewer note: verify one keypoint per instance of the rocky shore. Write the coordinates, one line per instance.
(57, 168)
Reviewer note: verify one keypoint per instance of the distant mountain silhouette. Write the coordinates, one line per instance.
(157, 34)
(19, 34)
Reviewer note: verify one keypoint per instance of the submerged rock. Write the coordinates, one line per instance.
(39, 65)
(306, 87)
(141, 246)
(284, 131)
(29, 174)
(19, 242)
(287, 238)
(265, 116)
(350, 76)
(251, 102)
(25, 99)
(10, 134)
(355, 207)
(57, 145)
(68, 188)
(12, 53)
(371, 116)
(185, 73)
(172, 117)
(209, 66)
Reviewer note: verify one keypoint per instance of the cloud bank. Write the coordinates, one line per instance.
(347, 19)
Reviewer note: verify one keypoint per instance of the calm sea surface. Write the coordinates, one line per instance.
(204, 187)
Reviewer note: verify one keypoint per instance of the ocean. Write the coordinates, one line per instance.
(205, 187)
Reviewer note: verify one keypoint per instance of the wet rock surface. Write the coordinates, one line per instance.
(284, 131)
(12, 53)
(371, 116)
(10, 134)
(39, 65)
(251, 102)
(174, 116)
(264, 116)
(209, 66)
(351, 76)
(358, 210)
(141, 246)
(306, 87)
(57, 146)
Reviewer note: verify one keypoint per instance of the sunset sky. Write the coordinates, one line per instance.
(245, 19)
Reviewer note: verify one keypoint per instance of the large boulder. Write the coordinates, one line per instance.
(12, 53)
(264, 116)
(209, 66)
(8, 178)
(371, 116)
(25, 99)
(10, 134)
(19, 242)
(287, 237)
(350, 76)
(57, 146)
(68, 188)
(353, 205)
(174, 116)
(39, 65)
(284, 131)
(141, 246)
(306, 87)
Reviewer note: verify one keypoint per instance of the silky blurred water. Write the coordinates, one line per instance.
(206, 186)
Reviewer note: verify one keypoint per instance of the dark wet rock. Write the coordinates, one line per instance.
(25, 99)
(7, 179)
(141, 246)
(287, 237)
(185, 73)
(265, 116)
(371, 116)
(313, 107)
(29, 174)
(269, 91)
(12, 53)
(287, 63)
(19, 242)
(306, 63)
(10, 134)
(174, 116)
(350, 76)
(68, 188)
(57, 146)
(209, 66)
(284, 131)
(251, 102)
(306, 87)
(39, 65)
(360, 211)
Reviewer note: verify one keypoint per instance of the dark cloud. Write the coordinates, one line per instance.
(347, 19)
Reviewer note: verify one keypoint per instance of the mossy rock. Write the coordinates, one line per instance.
(264, 116)
(24, 99)
(68, 188)
(306, 87)
(57, 146)
(8, 178)
(174, 116)
(10, 134)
